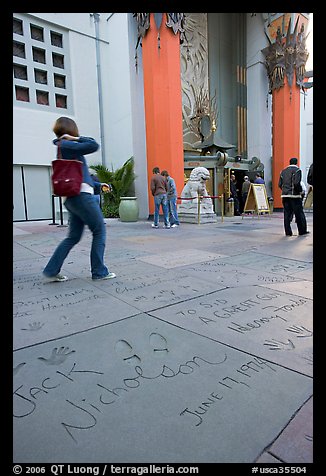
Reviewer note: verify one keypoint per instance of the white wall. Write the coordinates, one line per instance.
(306, 132)
(124, 99)
(138, 120)
(33, 128)
(123, 124)
(117, 85)
(259, 116)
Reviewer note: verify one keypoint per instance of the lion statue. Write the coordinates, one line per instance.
(196, 185)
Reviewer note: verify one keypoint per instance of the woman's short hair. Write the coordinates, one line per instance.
(65, 125)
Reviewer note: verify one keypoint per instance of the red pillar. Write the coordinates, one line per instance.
(286, 132)
(163, 103)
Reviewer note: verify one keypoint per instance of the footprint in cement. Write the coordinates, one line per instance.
(125, 350)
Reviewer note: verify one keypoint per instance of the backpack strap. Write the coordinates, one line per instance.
(59, 155)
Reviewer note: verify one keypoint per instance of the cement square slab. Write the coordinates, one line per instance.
(217, 271)
(267, 262)
(306, 274)
(299, 288)
(173, 259)
(148, 290)
(256, 319)
(18, 231)
(65, 308)
(295, 444)
(20, 252)
(146, 239)
(43, 244)
(141, 391)
(29, 266)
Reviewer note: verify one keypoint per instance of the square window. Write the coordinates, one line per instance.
(17, 26)
(61, 101)
(41, 76)
(22, 94)
(19, 49)
(39, 65)
(56, 39)
(38, 55)
(58, 60)
(37, 33)
(42, 97)
(20, 71)
(59, 81)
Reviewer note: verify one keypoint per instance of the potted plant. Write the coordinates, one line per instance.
(121, 202)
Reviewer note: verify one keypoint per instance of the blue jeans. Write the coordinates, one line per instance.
(159, 200)
(83, 210)
(174, 219)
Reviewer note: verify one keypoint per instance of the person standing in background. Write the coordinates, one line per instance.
(259, 179)
(310, 175)
(289, 183)
(172, 199)
(97, 189)
(234, 194)
(83, 208)
(159, 188)
(245, 189)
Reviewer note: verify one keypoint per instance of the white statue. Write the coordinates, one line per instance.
(196, 185)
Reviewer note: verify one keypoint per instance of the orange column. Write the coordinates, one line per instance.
(286, 116)
(163, 104)
(286, 132)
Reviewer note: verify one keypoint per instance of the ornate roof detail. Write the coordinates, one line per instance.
(175, 21)
(283, 57)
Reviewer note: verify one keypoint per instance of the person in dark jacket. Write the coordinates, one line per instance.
(310, 175)
(83, 208)
(290, 184)
(234, 194)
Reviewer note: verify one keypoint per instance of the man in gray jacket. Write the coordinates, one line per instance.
(290, 185)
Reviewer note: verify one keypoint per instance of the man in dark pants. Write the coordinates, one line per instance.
(289, 183)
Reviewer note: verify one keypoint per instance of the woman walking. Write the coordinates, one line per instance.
(83, 208)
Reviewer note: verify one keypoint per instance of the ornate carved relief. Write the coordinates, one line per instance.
(194, 75)
(282, 58)
(174, 21)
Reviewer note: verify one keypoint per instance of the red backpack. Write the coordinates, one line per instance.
(67, 176)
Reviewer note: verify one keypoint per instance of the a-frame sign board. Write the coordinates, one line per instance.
(309, 198)
(257, 200)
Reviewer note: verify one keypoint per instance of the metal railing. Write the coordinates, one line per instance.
(200, 197)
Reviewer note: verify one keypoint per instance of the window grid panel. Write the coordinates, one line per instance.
(59, 89)
(58, 61)
(37, 33)
(18, 27)
(39, 55)
(42, 97)
(19, 49)
(56, 39)
(40, 76)
(59, 80)
(22, 93)
(20, 72)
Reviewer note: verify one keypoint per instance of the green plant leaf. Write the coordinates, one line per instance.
(122, 181)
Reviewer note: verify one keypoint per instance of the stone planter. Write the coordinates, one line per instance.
(128, 209)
